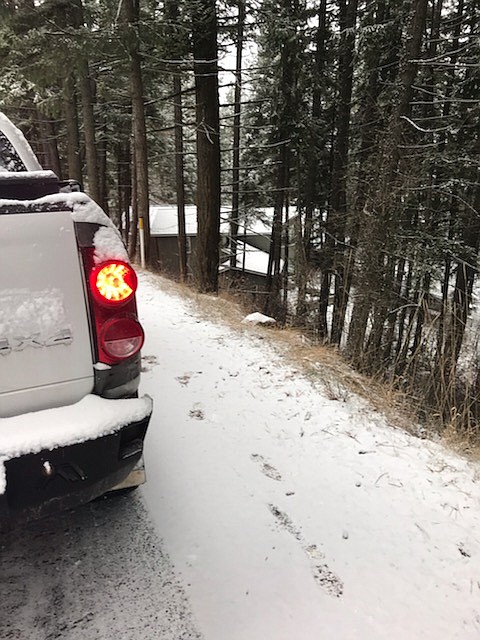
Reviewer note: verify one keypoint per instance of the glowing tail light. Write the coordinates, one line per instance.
(113, 283)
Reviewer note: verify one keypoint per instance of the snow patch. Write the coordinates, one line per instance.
(101, 366)
(108, 245)
(13, 176)
(19, 142)
(258, 318)
(27, 313)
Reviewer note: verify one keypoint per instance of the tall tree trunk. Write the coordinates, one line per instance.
(379, 228)
(177, 48)
(338, 201)
(285, 122)
(314, 166)
(179, 178)
(272, 303)
(49, 143)
(124, 187)
(133, 215)
(88, 118)
(102, 170)
(207, 255)
(234, 219)
(71, 125)
(131, 9)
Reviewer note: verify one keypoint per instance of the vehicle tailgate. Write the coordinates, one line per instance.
(45, 349)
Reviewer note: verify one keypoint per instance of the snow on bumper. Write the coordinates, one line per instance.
(89, 419)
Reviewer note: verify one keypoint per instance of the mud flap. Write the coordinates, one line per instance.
(135, 478)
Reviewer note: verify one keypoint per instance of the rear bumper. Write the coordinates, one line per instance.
(42, 482)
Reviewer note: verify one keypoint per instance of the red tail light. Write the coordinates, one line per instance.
(113, 282)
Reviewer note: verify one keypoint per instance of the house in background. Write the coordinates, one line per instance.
(253, 244)
(164, 233)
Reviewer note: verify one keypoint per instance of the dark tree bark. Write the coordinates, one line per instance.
(285, 120)
(88, 119)
(71, 125)
(180, 178)
(172, 15)
(375, 292)
(315, 169)
(336, 219)
(49, 143)
(102, 147)
(204, 21)
(131, 11)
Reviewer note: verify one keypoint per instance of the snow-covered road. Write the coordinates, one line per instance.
(272, 511)
(292, 516)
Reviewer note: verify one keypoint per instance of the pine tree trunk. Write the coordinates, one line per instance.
(88, 118)
(102, 171)
(207, 256)
(71, 126)
(234, 219)
(338, 199)
(179, 178)
(177, 52)
(140, 152)
(314, 169)
(49, 140)
(374, 283)
(124, 188)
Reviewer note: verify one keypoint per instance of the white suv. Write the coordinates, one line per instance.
(71, 423)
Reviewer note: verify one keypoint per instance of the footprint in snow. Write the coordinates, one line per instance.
(184, 380)
(266, 468)
(187, 376)
(148, 362)
(196, 413)
(321, 572)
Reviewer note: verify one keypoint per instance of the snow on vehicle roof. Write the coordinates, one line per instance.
(19, 143)
(90, 418)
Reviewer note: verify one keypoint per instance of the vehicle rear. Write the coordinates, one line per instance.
(71, 423)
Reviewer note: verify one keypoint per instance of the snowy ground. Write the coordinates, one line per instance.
(271, 512)
(292, 516)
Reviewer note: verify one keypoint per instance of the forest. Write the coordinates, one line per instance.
(355, 123)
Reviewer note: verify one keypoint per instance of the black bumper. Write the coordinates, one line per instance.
(52, 480)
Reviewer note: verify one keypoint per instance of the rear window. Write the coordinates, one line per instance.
(9, 158)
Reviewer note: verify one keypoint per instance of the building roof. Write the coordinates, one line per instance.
(164, 221)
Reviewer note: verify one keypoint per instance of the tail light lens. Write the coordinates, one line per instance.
(113, 283)
(121, 337)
